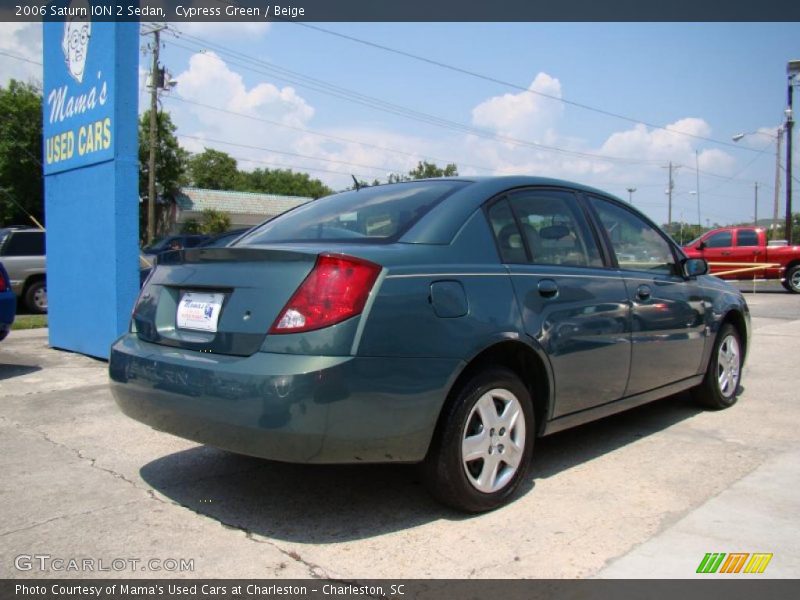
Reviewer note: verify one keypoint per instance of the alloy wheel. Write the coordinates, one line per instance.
(728, 366)
(493, 441)
(794, 281)
(40, 298)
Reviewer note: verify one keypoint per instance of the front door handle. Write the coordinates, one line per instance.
(726, 254)
(548, 288)
(643, 292)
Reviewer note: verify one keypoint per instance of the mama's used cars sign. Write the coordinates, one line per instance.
(78, 103)
(91, 179)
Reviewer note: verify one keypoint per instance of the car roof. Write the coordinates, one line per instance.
(441, 223)
(15, 228)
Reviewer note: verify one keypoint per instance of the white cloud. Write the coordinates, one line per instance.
(716, 161)
(645, 143)
(523, 115)
(210, 81)
(22, 40)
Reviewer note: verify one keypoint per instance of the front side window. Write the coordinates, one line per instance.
(373, 214)
(638, 245)
(723, 239)
(552, 228)
(747, 237)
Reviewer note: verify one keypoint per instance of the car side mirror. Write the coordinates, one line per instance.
(701, 245)
(693, 267)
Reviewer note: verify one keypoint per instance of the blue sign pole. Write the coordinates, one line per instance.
(91, 181)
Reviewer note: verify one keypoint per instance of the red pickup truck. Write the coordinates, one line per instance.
(743, 253)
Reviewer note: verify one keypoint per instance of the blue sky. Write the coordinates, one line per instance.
(709, 80)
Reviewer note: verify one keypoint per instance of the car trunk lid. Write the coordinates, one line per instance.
(218, 300)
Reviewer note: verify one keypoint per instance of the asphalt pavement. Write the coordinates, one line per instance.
(641, 494)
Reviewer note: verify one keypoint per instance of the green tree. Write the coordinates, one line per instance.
(170, 157)
(683, 233)
(284, 182)
(21, 176)
(781, 229)
(211, 222)
(170, 169)
(426, 170)
(213, 170)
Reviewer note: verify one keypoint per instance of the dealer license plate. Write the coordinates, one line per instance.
(199, 311)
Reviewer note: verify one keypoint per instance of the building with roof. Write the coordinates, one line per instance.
(245, 209)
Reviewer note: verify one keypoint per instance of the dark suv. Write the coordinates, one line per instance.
(22, 252)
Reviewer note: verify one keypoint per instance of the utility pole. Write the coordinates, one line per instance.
(697, 186)
(776, 208)
(155, 85)
(669, 191)
(755, 209)
(670, 187)
(630, 194)
(793, 68)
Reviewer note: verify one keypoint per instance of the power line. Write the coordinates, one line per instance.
(514, 85)
(263, 67)
(413, 155)
(259, 66)
(295, 154)
(740, 171)
(298, 167)
(27, 60)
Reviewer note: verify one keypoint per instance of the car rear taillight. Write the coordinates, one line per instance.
(336, 289)
(2, 283)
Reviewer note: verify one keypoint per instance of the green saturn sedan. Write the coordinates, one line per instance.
(445, 322)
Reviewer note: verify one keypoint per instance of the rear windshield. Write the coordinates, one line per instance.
(372, 214)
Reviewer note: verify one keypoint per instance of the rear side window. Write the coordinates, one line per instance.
(546, 227)
(24, 243)
(723, 239)
(506, 232)
(372, 214)
(747, 237)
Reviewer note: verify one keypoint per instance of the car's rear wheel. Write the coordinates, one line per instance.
(720, 388)
(484, 443)
(36, 297)
(792, 280)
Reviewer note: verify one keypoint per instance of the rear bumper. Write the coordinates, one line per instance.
(293, 408)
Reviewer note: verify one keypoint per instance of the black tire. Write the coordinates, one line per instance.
(36, 297)
(792, 280)
(718, 392)
(455, 482)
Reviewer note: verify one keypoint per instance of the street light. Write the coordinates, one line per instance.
(792, 69)
(778, 137)
(630, 194)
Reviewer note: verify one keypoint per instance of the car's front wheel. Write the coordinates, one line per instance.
(720, 388)
(792, 280)
(484, 443)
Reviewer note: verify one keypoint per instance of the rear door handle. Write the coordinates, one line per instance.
(548, 288)
(643, 292)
